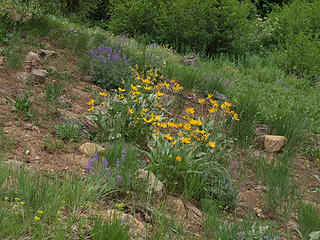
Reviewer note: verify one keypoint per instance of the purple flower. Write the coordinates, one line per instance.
(107, 174)
(143, 164)
(100, 49)
(93, 52)
(119, 178)
(105, 162)
(89, 167)
(95, 156)
(266, 237)
(123, 157)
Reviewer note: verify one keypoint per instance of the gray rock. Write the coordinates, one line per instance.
(46, 53)
(39, 76)
(22, 76)
(154, 185)
(261, 129)
(32, 58)
(64, 102)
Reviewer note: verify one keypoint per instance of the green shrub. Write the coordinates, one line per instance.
(206, 26)
(308, 219)
(297, 28)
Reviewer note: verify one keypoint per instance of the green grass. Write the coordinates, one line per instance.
(308, 219)
(68, 132)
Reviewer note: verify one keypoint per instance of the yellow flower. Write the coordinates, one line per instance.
(22, 203)
(166, 84)
(186, 140)
(178, 158)
(134, 88)
(36, 218)
(121, 90)
(40, 212)
(155, 133)
(147, 88)
(213, 110)
(6, 198)
(103, 103)
(130, 110)
(90, 102)
(195, 122)
(171, 124)
(90, 109)
(187, 126)
(210, 95)
(174, 143)
(159, 105)
(212, 144)
(201, 100)
(168, 136)
(236, 117)
(190, 110)
(180, 134)
(120, 96)
(103, 94)
(159, 94)
(214, 102)
(148, 121)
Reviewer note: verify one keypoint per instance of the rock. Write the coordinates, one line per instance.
(137, 229)
(1, 61)
(274, 143)
(46, 53)
(190, 60)
(194, 214)
(38, 76)
(32, 58)
(22, 76)
(64, 102)
(77, 159)
(176, 207)
(261, 129)
(90, 148)
(154, 185)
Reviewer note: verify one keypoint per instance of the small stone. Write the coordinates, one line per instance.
(36, 129)
(27, 152)
(154, 185)
(64, 102)
(90, 148)
(1, 61)
(39, 76)
(66, 168)
(46, 53)
(136, 228)
(176, 207)
(194, 213)
(32, 58)
(261, 129)
(77, 159)
(22, 76)
(274, 143)
(37, 158)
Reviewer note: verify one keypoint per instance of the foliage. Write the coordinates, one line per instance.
(308, 219)
(207, 26)
(108, 68)
(68, 131)
(22, 105)
(216, 227)
(52, 145)
(297, 30)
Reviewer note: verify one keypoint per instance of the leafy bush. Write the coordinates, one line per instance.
(207, 26)
(297, 28)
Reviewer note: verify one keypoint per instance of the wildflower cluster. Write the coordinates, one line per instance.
(109, 68)
(133, 110)
(108, 170)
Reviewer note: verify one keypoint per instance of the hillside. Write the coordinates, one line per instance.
(106, 137)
